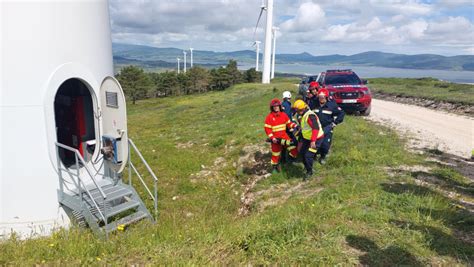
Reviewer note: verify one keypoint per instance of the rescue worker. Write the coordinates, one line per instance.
(330, 115)
(313, 85)
(312, 136)
(286, 104)
(303, 87)
(276, 124)
(313, 101)
(307, 96)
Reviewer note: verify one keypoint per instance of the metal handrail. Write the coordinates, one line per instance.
(131, 167)
(142, 180)
(78, 156)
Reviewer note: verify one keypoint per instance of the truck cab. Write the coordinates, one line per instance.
(347, 89)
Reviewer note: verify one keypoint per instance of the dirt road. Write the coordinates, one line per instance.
(427, 128)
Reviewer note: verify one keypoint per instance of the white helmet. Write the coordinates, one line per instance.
(286, 94)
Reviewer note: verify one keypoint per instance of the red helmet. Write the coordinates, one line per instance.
(275, 102)
(313, 84)
(323, 92)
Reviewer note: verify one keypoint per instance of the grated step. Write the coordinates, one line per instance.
(108, 189)
(114, 210)
(112, 195)
(132, 218)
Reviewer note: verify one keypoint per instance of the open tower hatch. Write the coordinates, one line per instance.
(114, 123)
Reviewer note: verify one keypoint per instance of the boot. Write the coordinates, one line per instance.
(276, 169)
(307, 176)
(322, 161)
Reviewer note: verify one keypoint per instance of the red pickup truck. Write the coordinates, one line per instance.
(350, 92)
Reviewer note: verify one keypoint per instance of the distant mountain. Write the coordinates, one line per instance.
(154, 57)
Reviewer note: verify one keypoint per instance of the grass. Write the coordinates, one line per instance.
(362, 215)
(427, 88)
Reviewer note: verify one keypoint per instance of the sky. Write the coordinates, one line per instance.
(320, 27)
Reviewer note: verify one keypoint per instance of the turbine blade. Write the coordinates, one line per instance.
(258, 21)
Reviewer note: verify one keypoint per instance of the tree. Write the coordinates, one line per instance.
(184, 83)
(157, 90)
(168, 83)
(199, 79)
(220, 79)
(135, 82)
(252, 76)
(233, 71)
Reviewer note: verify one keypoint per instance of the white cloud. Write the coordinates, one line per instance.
(308, 17)
(374, 31)
(401, 7)
(414, 30)
(305, 25)
(451, 31)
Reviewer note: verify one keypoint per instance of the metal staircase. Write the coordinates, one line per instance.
(107, 204)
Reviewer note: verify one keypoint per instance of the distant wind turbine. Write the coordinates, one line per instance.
(191, 50)
(178, 63)
(257, 52)
(184, 54)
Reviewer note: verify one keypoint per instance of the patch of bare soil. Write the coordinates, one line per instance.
(463, 166)
(254, 161)
(279, 194)
(247, 198)
(185, 145)
(392, 172)
(210, 172)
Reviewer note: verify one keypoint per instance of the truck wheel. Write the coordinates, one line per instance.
(367, 111)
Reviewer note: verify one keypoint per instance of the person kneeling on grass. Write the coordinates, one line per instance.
(276, 124)
(312, 135)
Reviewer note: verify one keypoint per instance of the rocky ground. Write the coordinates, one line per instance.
(457, 108)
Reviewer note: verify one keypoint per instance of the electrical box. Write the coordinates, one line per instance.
(89, 148)
(112, 149)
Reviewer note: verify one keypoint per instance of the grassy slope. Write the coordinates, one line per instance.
(359, 216)
(425, 88)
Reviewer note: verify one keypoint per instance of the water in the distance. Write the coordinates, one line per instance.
(378, 72)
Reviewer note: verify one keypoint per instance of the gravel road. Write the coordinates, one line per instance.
(427, 128)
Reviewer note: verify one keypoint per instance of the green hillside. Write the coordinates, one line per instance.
(207, 149)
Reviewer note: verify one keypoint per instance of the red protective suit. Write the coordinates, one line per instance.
(276, 124)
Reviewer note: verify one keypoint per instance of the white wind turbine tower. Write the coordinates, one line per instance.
(184, 54)
(178, 63)
(191, 50)
(274, 34)
(257, 52)
(268, 39)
